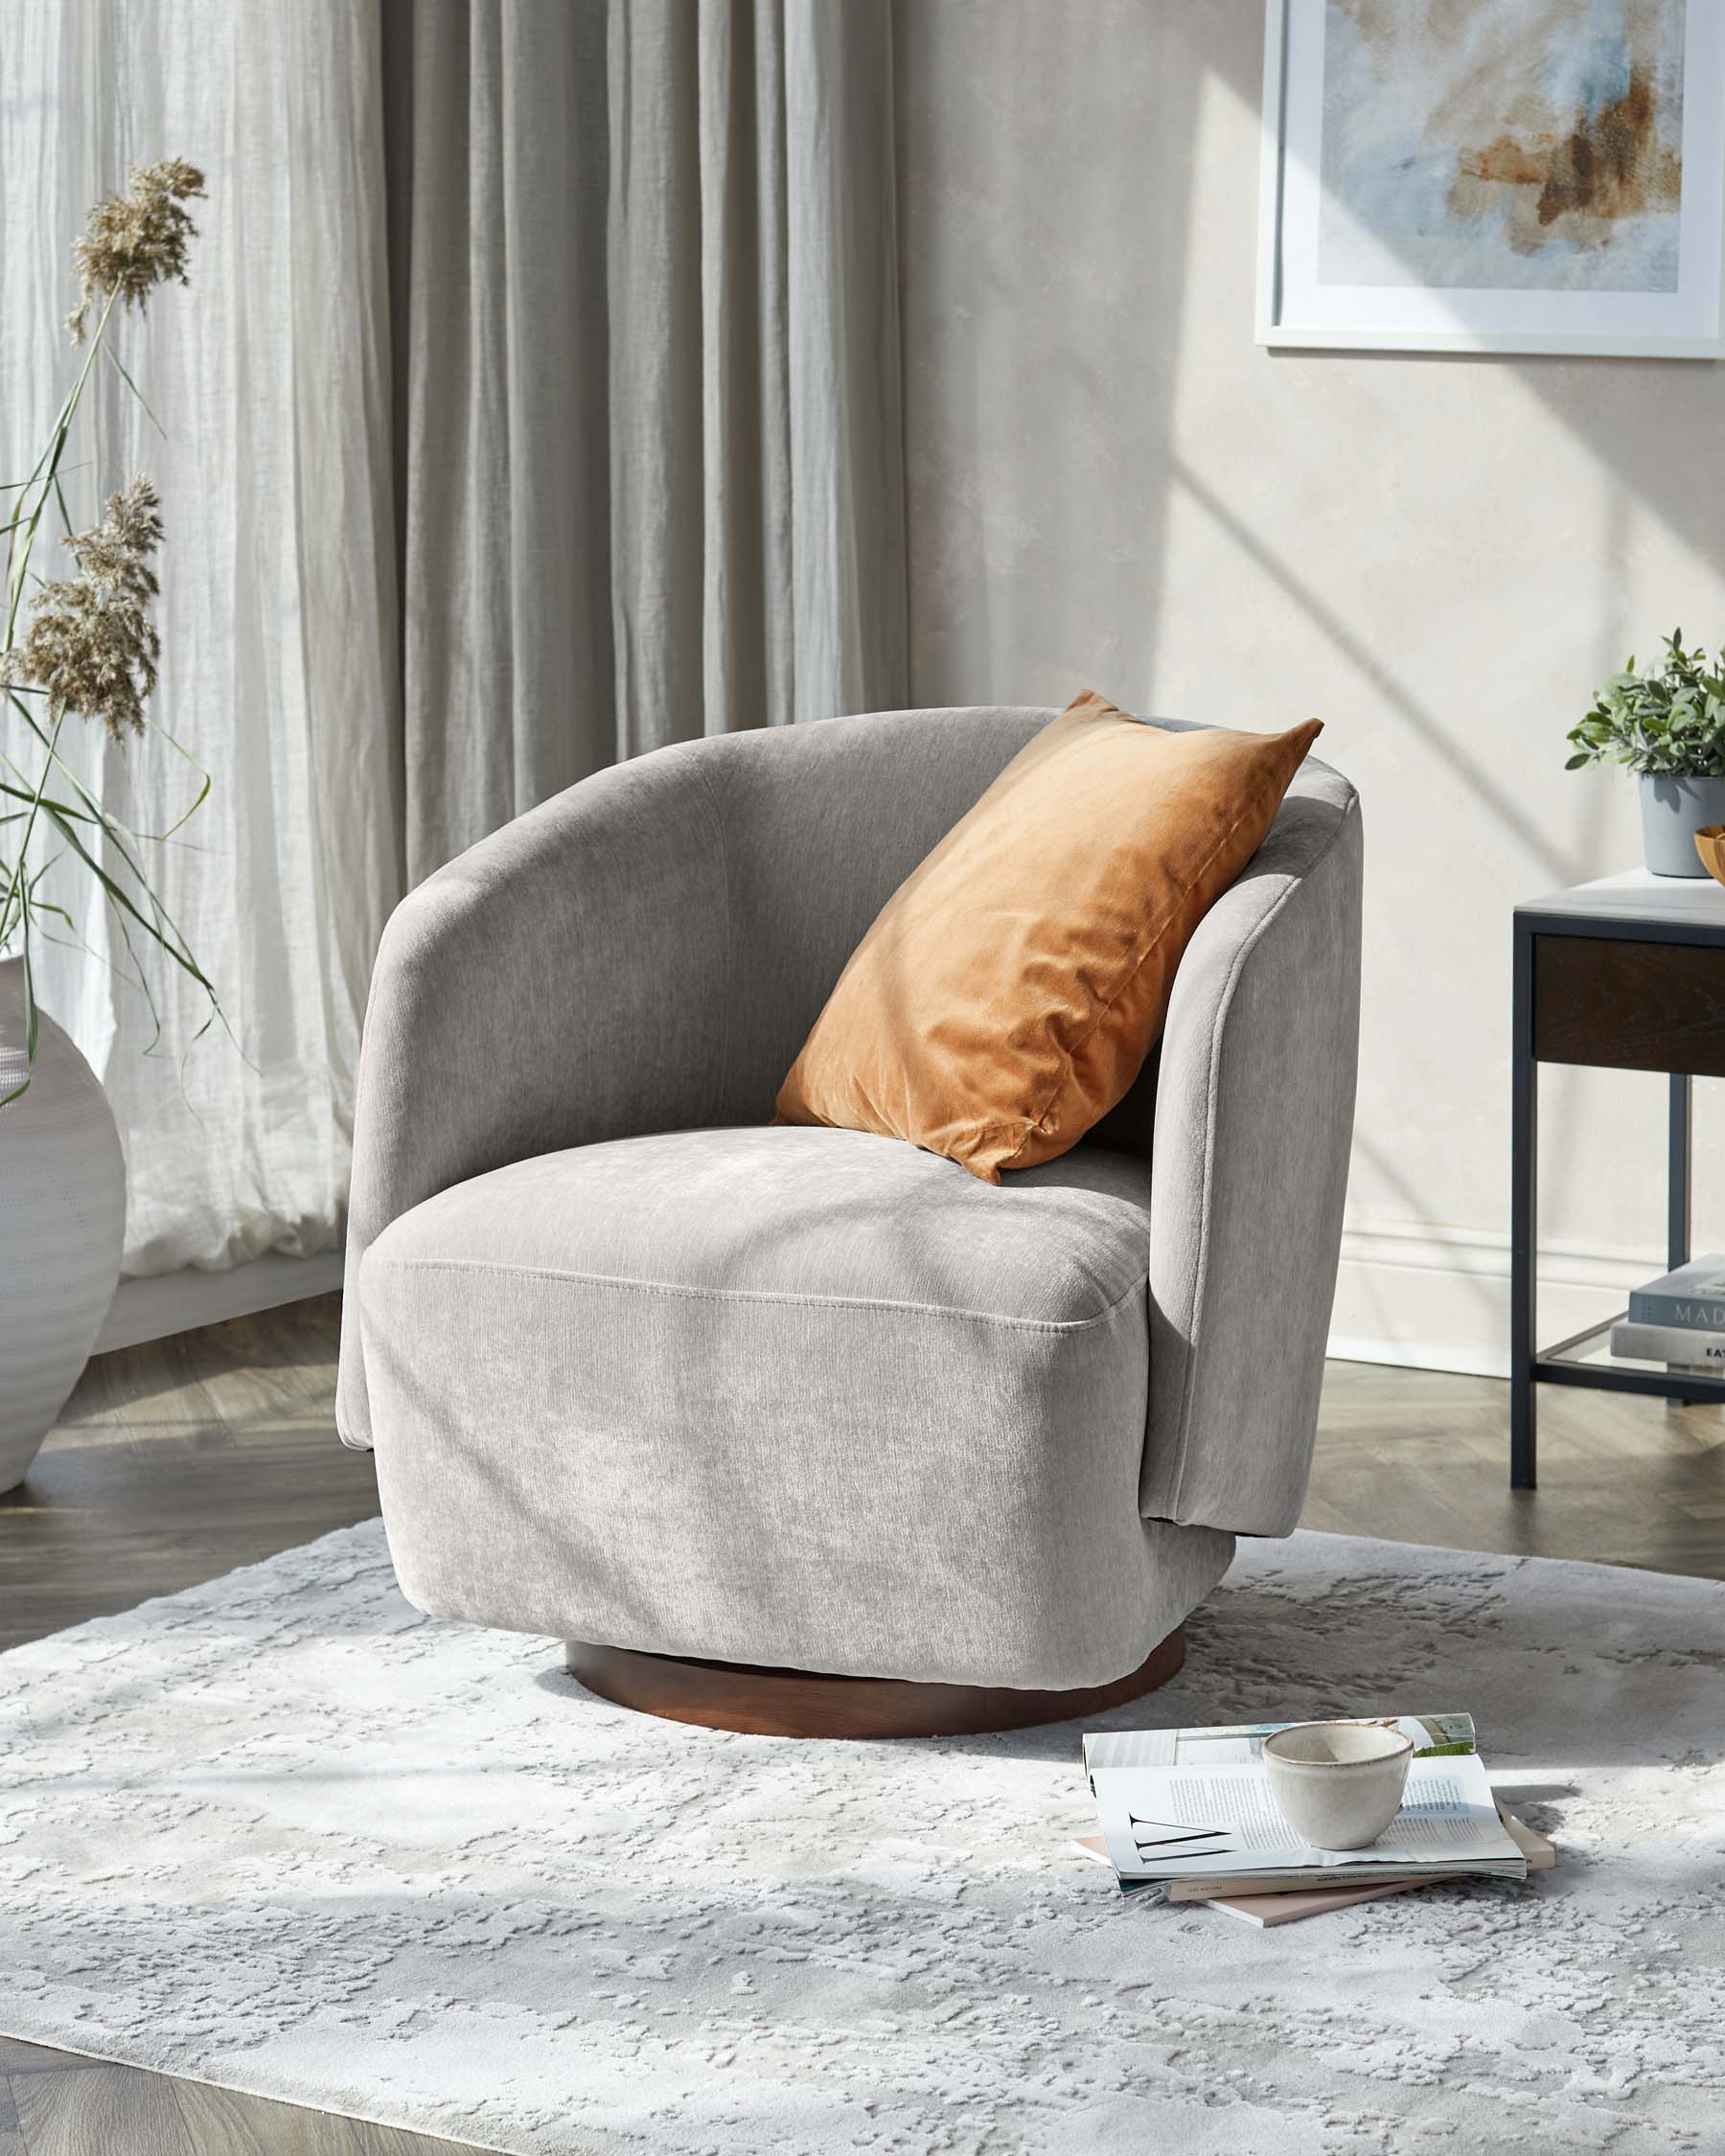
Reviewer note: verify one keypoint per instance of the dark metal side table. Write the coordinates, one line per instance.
(1627, 973)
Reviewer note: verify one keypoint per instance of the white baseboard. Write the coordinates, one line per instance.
(1437, 1298)
(179, 1302)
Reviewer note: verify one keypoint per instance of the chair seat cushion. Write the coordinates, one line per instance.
(799, 1213)
(790, 1395)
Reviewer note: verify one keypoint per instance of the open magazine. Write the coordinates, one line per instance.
(1433, 1735)
(1192, 1809)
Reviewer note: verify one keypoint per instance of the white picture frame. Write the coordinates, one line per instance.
(1296, 310)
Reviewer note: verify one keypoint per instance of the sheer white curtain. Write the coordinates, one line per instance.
(608, 359)
(269, 378)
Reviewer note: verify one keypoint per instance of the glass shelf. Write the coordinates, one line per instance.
(1586, 1358)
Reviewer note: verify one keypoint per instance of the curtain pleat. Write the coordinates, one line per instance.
(647, 349)
(657, 445)
(748, 651)
(496, 138)
(842, 342)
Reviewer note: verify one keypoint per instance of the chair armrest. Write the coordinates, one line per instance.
(1253, 1120)
(561, 982)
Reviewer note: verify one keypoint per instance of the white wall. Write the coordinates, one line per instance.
(1112, 486)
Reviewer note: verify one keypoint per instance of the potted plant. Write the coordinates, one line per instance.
(81, 647)
(1669, 726)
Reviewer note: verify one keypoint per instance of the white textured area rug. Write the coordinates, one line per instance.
(284, 1833)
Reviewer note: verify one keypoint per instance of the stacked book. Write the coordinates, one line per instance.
(1186, 1815)
(1678, 1320)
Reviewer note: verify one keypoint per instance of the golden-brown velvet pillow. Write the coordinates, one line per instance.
(1009, 992)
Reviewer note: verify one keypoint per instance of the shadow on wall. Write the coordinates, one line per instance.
(992, 501)
(1590, 397)
(1064, 196)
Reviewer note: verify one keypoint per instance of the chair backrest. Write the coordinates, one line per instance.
(821, 824)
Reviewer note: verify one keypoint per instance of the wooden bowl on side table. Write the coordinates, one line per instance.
(1709, 844)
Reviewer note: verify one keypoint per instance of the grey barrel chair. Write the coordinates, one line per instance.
(804, 1428)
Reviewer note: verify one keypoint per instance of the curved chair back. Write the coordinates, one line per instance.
(819, 825)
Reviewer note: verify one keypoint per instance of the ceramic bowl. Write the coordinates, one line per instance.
(1337, 1785)
(1709, 844)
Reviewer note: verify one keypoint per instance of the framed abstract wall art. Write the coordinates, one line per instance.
(1494, 175)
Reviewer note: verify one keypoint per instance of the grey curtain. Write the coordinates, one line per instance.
(646, 360)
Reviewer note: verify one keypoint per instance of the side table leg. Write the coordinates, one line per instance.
(1677, 1186)
(1677, 1180)
(1524, 1172)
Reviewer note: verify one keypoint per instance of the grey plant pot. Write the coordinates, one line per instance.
(1672, 811)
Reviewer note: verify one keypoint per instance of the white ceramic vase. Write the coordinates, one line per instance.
(62, 1221)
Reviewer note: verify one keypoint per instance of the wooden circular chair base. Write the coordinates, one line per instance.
(734, 1695)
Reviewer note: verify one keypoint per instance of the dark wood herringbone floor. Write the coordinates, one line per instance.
(180, 1459)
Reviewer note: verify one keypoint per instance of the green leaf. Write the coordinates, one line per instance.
(122, 899)
(137, 393)
(124, 842)
(1671, 722)
(161, 837)
(61, 808)
(31, 1015)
